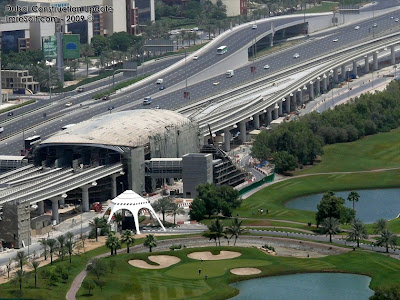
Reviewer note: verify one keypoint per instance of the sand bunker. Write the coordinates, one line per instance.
(163, 261)
(245, 271)
(207, 255)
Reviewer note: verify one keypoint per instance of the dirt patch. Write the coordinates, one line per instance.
(163, 261)
(260, 222)
(207, 255)
(245, 271)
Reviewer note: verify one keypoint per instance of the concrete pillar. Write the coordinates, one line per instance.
(54, 209)
(294, 101)
(301, 97)
(227, 140)
(41, 207)
(311, 90)
(375, 61)
(170, 181)
(393, 55)
(275, 114)
(318, 86)
(269, 115)
(366, 62)
(85, 197)
(280, 109)
(343, 73)
(62, 201)
(335, 76)
(324, 83)
(287, 104)
(355, 68)
(114, 185)
(256, 119)
(243, 135)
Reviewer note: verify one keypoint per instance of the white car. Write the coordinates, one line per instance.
(68, 104)
(357, 27)
(254, 26)
(216, 83)
(296, 55)
(195, 57)
(266, 67)
(335, 40)
(396, 20)
(391, 17)
(375, 25)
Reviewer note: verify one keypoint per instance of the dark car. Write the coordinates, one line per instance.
(10, 114)
(111, 107)
(80, 90)
(162, 88)
(106, 97)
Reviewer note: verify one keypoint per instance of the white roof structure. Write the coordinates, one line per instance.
(133, 202)
(130, 128)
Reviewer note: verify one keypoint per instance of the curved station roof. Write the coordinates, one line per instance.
(130, 128)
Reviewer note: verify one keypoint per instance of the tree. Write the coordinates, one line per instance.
(330, 226)
(52, 246)
(235, 229)
(162, 206)
(97, 267)
(207, 192)
(100, 283)
(8, 267)
(43, 242)
(176, 210)
(99, 44)
(118, 218)
(113, 243)
(128, 238)
(284, 161)
(96, 223)
(150, 242)
(88, 285)
(380, 225)
(61, 249)
(357, 232)
(35, 266)
(353, 197)
(197, 210)
(386, 293)
(19, 277)
(332, 206)
(86, 52)
(70, 246)
(120, 41)
(20, 258)
(69, 235)
(216, 230)
(387, 239)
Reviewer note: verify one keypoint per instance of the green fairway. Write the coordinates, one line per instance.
(182, 280)
(275, 196)
(324, 7)
(377, 151)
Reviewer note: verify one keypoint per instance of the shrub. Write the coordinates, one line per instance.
(175, 247)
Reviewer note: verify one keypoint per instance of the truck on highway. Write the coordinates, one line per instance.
(147, 100)
(229, 73)
(1, 129)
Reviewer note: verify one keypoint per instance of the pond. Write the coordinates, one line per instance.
(372, 205)
(308, 286)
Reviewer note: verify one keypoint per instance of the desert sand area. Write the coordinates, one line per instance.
(207, 255)
(163, 261)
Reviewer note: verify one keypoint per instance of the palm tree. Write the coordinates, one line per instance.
(86, 51)
(330, 226)
(216, 228)
(69, 236)
(357, 232)
(8, 267)
(70, 246)
(387, 239)
(380, 225)
(150, 242)
(52, 246)
(61, 249)
(35, 267)
(176, 210)
(353, 197)
(19, 276)
(211, 236)
(163, 206)
(43, 242)
(118, 218)
(96, 223)
(20, 258)
(113, 243)
(235, 229)
(128, 238)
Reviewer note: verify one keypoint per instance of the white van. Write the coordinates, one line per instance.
(160, 81)
(229, 73)
(147, 100)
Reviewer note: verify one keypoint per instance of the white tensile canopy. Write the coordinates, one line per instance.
(133, 202)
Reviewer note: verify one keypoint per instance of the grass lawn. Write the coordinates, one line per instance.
(275, 196)
(324, 7)
(373, 152)
(182, 281)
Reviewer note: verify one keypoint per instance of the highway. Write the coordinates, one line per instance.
(315, 46)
